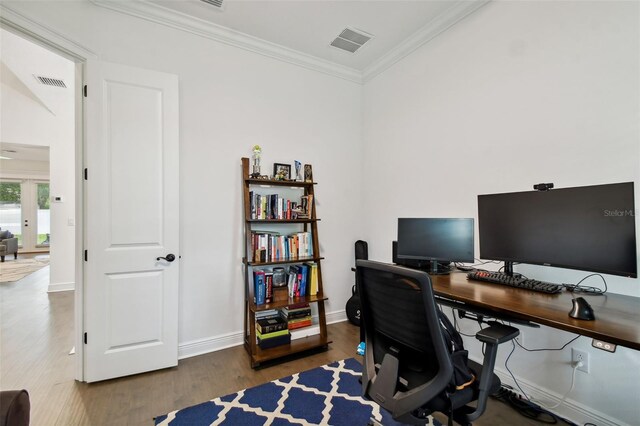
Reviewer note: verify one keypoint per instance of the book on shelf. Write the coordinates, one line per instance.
(262, 286)
(268, 292)
(274, 341)
(259, 289)
(271, 335)
(270, 324)
(292, 312)
(300, 333)
(267, 313)
(313, 280)
(299, 323)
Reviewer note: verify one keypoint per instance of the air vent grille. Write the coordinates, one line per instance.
(49, 81)
(216, 3)
(351, 40)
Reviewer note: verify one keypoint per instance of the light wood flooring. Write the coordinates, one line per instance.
(37, 335)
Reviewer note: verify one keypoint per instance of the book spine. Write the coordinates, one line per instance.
(268, 293)
(259, 290)
(296, 325)
(271, 328)
(276, 341)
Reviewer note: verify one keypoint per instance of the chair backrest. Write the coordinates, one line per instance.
(362, 250)
(406, 361)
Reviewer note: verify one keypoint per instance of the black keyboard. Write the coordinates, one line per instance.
(519, 282)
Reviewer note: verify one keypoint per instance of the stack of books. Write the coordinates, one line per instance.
(297, 316)
(271, 329)
(269, 246)
(303, 280)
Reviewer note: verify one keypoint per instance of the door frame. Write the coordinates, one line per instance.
(48, 38)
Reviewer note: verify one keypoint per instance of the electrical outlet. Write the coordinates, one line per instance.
(578, 355)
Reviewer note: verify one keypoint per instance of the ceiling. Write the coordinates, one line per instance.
(16, 151)
(304, 29)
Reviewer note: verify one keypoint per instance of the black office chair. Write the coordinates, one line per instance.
(408, 369)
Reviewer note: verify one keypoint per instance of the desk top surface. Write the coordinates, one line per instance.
(617, 316)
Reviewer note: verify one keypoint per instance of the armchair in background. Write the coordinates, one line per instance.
(409, 365)
(8, 245)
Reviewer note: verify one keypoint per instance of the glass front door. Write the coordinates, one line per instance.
(43, 225)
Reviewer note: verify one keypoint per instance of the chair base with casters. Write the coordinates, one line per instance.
(409, 365)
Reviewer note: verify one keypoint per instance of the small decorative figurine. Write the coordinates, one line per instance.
(298, 171)
(257, 151)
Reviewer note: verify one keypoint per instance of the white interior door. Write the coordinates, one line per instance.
(131, 219)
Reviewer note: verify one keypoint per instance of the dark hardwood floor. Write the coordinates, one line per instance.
(37, 335)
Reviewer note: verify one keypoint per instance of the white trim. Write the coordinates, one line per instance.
(43, 35)
(438, 25)
(53, 288)
(569, 409)
(171, 18)
(159, 14)
(211, 344)
(66, 47)
(337, 316)
(225, 341)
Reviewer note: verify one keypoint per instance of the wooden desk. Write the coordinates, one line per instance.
(617, 317)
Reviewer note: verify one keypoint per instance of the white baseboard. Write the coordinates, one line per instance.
(211, 344)
(224, 341)
(569, 409)
(337, 316)
(61, 287)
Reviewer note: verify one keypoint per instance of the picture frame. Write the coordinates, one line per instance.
(308, 174)
(281, 171)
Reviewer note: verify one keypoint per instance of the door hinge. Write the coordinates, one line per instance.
(85, 338)
(86, 174)
(85, 90)
(86, 256)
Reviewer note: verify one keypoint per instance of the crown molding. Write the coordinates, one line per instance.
(438, 25)
(43, 35)
(159, 14)
(153, 12)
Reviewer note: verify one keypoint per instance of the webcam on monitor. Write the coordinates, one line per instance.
(543, 186)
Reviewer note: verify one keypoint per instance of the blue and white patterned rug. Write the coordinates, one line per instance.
(327, 395)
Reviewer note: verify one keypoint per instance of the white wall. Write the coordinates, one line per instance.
(516, 94)
(231, 99)
(47, 122)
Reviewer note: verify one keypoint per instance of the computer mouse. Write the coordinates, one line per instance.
(581, 310)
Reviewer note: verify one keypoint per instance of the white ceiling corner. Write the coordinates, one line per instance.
(400, 27)
(438, 25)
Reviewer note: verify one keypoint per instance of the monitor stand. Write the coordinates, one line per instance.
(508, 268)
(435, 269)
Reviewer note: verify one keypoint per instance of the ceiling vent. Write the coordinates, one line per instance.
(216, 3)
(48, 81)
(351, 40)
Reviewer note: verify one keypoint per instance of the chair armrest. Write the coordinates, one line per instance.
(497, 333)
(493, 335)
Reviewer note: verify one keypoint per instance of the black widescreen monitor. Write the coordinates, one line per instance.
(590, 228)
(435, 240)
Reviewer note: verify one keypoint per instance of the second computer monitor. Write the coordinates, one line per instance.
(436, 240)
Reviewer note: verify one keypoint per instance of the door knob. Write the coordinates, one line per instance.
(169, 258)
